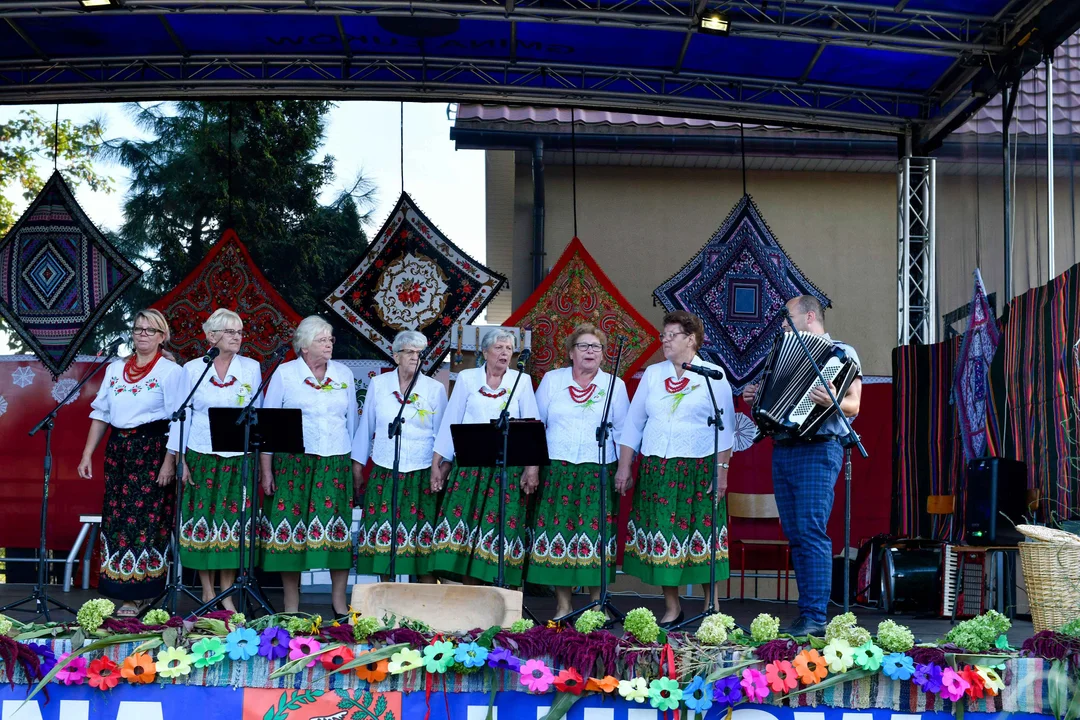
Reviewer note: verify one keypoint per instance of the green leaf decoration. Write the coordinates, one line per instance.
(368, 657)
(490, 676)
(78, 639)
(1057, 685)
(294, 666)
(563, 702)
(724, 672)
(170, 637)
(817, 643)
(487, 639)
(99, 645)
(835, 679)
(39, 633)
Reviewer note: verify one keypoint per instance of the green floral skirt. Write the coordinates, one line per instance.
(417, 509)
(210, 513)
(306, 523)
(566, 534)
(667, 541)
(467, 526)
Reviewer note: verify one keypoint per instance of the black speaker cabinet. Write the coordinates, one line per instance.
(996, 495)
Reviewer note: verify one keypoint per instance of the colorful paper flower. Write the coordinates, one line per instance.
(503, 659)
(991, 680)
(606, 684)
(208, 651)
(781, 676)
(173, 662)
(242, 644)
(373, 672)
(975, 687)
(698, 696)
(333, 659)
(138, 669)
(536, 676)
(727, 691)
(74, 672)
(302, 647)
(274, 643)
(664, 694)
(104, 673)
(839, 655)
(471, 655)
(754, 684)
(404, 661)
(439, 656)
(569, 681)
(898, 666)
(636, 690)
(810, 667)
(868, 656)
(953, 685)
(928, 677)
(47, 657)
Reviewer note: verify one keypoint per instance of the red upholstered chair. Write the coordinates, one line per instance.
(757, 506)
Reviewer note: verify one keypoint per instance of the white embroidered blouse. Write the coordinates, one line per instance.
(127, 405)
(234, 390)
(329, 408)
(423, 412)
(474, 402)
(572, 414)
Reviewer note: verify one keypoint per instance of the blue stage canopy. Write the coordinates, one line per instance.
(918, 66)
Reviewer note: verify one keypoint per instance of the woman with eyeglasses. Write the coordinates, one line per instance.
(566, 529)
(417, 505)
(670, 526)
(212, 482)
(135, 400)
(308, 508)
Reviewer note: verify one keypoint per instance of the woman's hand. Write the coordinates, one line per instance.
(439, 472)
(269, 487)
(86, 471)
(167, 473)
(530, 479)
(624, 480)
(185, 475)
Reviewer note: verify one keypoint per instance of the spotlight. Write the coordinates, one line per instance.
(715, 24)
(99, 4)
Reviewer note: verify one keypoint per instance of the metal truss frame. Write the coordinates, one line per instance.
(916, 304)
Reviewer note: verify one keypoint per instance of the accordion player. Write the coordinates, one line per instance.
(783, 405)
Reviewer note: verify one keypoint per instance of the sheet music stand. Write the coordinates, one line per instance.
(269, 430)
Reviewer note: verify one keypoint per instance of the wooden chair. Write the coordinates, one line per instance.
(942, 505)
(757, 506)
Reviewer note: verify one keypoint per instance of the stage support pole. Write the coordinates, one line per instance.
(1049, 167)
(1007, 194)
(538, 213)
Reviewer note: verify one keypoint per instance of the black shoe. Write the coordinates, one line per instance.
(672, 623)
(804, 626)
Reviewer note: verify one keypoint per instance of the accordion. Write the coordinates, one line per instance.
(783, 404)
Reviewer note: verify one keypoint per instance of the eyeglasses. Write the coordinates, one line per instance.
(233, 333)
(145, 331)
(325, 340)
(596, 347)
(671, 336)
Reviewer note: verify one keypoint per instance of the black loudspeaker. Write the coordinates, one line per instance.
(996, 494)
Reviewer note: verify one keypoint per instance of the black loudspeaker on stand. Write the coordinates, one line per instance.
(996, 501)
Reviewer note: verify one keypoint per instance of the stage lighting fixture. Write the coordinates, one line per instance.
(715, 24)
(99, 4)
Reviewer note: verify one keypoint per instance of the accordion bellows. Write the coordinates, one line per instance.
(783, 405)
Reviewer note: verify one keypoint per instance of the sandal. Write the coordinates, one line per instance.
(128, 612)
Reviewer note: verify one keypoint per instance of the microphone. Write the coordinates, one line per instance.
(524, 358)
(210, 355)
(280, 352)
(114, 346)
(701, 370)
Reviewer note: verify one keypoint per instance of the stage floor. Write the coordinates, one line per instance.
(926, 629)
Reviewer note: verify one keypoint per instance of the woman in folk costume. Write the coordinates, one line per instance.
(135, 400)
(671, 523)
(417, 504)
(212, 482)
(571, 400)
(467, 529)
(308, 508)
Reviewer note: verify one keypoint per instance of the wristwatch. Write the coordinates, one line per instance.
(726, 466)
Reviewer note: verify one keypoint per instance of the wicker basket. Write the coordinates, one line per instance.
(1048, 534)
(1052, 576)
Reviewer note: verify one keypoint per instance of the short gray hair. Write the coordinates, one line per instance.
(309, 328)
(220, 320)
(495, 336)
(409, 339)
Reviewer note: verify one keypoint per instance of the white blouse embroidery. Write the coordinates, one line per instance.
(329, 414)
(469, 405)
(241, 381)
(127, 405)
(421, 418)
(675, 424)
(572, 423)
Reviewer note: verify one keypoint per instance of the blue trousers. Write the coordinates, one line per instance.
(804, 477)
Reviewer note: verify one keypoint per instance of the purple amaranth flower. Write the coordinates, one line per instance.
(274, 643)
(503, 659)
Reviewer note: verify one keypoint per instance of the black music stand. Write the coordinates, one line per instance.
(267, 430)
(479, 445)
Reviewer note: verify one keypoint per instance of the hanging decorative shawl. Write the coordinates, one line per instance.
(412, 277)
(577, 291)
(737, 284)
(228, 278)
(971, 377)
(58, 276)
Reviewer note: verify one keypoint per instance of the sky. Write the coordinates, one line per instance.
(363, 137)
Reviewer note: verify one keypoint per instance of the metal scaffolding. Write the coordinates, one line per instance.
(916, 259)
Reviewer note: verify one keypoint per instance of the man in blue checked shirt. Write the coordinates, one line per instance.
(804, 475)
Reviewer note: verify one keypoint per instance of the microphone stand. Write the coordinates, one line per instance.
(395, 433)
(175, 584)
(848, 441)
(245, 583)
(503, 423)
(40, 595)
(602, 435)
(717, 425)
